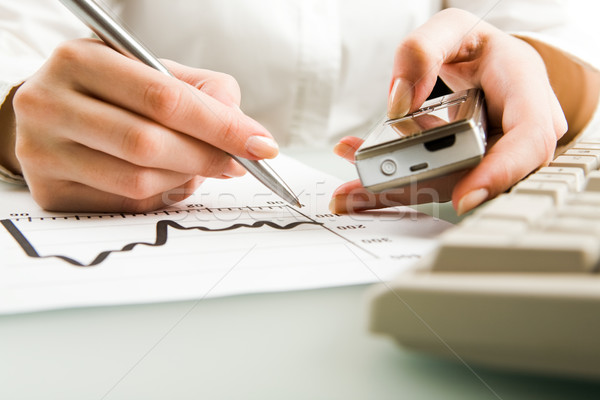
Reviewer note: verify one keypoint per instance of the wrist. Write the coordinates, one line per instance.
(576, 86)
(8, 158)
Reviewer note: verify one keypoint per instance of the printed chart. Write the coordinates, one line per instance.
(69, 238)
(200, 248)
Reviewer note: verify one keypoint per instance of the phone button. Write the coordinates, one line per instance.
(418, 167)
(388, 167)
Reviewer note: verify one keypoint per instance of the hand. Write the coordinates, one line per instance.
(97, 131)
(467, 52)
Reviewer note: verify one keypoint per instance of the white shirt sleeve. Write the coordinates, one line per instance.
(29, 31)
(568, 27)
(310, 70)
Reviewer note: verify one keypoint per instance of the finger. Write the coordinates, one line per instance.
(353, 197)
(515, 155)
(140, 141)
(448, 37)
(76, 197)
(167, 100)
(347, 146)
(73, 162)
(218, 85)
(532, 123)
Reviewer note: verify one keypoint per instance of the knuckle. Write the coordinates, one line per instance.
(23, 98)
(219, 80)
(228, 81)
(47, 196)
(422, 52)
(508, 172)
(232, 81)
(214, 164)
(471, 48)
(27, 100)
(543, 140)
(141, 144)
(229, 131)
(561, 126)
(25, 151)
(43, 199)
(68, 56)
(417, 43)
(162, 100)
(67, 52)
(138, 185)
(222, 87)
(456, 13)
(33, 155)
(548, 144)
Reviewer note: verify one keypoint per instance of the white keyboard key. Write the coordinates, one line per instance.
(570, 224)
(576, 173)
(491, 224)
(593, 182)
(519, 258)
(584, 152)
(534, 252)
(588, 198)
(587, 145)
(526, 207)
(556, 190)
(573, 183)
(579, 211)
(586, 163)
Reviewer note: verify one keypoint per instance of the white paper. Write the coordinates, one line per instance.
(230, 237)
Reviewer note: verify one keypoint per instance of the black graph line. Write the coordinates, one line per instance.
(162, 229)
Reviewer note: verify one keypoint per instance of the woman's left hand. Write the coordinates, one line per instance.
(468, 52)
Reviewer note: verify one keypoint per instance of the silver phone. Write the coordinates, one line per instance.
(445, 135)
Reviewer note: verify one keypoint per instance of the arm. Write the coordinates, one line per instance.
(564, 34)
(576, 85)
(29, 31)
(467, 52)
(97, 131)
(10, 170)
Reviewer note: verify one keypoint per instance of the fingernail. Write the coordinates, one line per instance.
(471, 200)
(400, 98)
(262, 147)
(343, 150)
(335, 203)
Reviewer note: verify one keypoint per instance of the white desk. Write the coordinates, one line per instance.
(296, 345)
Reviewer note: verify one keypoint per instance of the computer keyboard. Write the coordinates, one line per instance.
(516, 283)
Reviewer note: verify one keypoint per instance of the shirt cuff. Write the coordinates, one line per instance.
(574, 73)
(9, 177)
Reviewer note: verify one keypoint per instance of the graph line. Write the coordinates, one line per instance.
(162, 229)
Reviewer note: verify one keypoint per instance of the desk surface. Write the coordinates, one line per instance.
(296, 345)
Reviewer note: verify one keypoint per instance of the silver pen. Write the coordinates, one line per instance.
(99, 20)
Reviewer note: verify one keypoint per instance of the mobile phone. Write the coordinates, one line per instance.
(445, 135)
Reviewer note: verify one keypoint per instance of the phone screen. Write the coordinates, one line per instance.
(433, 114)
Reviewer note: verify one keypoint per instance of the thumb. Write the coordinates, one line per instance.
(451, 37)
(415, 72)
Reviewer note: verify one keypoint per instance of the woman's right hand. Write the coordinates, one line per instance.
(97, 131)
